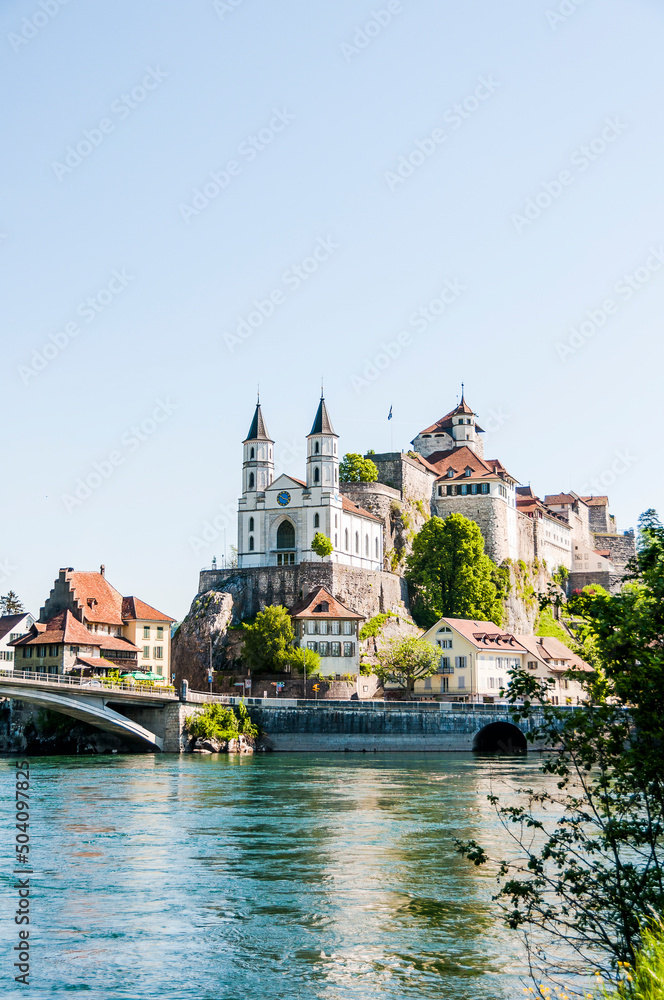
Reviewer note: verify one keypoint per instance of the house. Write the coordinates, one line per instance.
(87, 625)
(326, 626)
(476, 658)
(12, 627)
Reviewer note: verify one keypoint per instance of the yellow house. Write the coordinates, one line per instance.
(150, 630)
(476, 657)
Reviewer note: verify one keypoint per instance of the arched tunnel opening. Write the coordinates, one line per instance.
(500, 737)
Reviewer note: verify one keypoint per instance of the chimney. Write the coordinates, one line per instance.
(102, 570)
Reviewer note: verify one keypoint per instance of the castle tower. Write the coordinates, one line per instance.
(464, 428)
(258, 462)
(322, 451)
(457, 429)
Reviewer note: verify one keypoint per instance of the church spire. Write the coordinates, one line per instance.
(322, 423)
(258, 431)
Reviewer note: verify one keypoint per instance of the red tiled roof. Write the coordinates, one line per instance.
(603, 552)
(353, 508)
(9, 622)
(98, 661)
(596, 501)
(460, 459)
(134, 609)
(116, 642)
(99, 600)
(485, 635)
(562, 498)
(63, 627)
(307, 606)
(549, 648)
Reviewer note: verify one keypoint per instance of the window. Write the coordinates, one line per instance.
(160, 632)
(287, 559)
(251, 543)
(316, 520)
(322, 628)
(41, 652)
(348, 628)
(445, 643)
(445, 666)
(349, 649)
(53, 650)
(146, 631)
(73, 650)
(485, 487)
(251, 454)
(146, 652)
(427, 683)
(316, 475)
(158, 652)
(286, 535)
(460, 662)
(335, 648)
(450, 473)
(468, 472)
(335, 628)
(346, 539)
(312, 645)
(322, 648)
(532, 664)
(451, 491)
(251, 524)
(376, 548)
(335, 540)
(474, 488)
(336, 520)
(311, 628)
(357, 541)
(366, 545)
(444, 685)
(316, 448)
(461, 682)
(251, 480)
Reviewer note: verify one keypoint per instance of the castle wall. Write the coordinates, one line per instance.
(598, 518)
(366, 591)
(491, 514)
(527, 537)
(621, 547)
(405, 474)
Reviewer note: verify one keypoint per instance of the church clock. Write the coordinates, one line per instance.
(284, 498)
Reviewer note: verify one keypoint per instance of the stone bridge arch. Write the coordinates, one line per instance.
(500, 737)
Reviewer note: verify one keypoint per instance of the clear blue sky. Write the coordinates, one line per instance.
(562, 110)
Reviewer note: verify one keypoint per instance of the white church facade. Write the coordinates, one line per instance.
(278, 518)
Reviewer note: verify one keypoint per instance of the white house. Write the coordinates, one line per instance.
(12, 627)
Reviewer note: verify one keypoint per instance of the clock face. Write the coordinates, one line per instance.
(284, 498)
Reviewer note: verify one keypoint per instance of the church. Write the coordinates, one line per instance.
(278, 518)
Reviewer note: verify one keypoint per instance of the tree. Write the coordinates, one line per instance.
(355, 469)
(322, 545)
(266, 639)
(588, 867)
(220, 722)
(450, 573)
(302, 658)
(404, 661)
(11, 605)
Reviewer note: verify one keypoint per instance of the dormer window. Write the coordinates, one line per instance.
(468, 472)
(450, 473)
(322, 608)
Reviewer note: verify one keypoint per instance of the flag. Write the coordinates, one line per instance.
(389, 415)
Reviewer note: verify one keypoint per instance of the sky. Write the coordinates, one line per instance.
(395, 197)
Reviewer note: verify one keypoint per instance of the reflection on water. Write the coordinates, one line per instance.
(277, 876)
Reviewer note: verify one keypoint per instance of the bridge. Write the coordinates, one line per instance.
(154, 717)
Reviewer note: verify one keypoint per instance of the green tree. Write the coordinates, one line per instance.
(266, 639)
(11, 605)
(221, 722)
(588, 867)
(355, 469)
(404, 661)
(450, 573)
(322, 545)
(301, 658)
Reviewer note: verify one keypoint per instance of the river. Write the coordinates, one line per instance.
(268, 876)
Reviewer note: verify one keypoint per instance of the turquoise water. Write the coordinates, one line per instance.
(273, 876)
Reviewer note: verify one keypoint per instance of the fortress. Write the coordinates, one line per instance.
(371, 525)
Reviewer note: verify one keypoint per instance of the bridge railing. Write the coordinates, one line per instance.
(83, 683)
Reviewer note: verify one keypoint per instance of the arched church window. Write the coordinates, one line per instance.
(357, 541)
(251, 524)
(336, 475)
(251, 543)
(336, 520)
(251, 480)
(316, 475)
(346, 540)
(316, 449)
(376, 546)
(366, 545)
(316, 520)
(286, 535)
(252, 453)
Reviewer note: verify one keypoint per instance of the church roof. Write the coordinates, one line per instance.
(322, 604)
(447, 421)
(258, 431)
(322, 423)
(353, 508)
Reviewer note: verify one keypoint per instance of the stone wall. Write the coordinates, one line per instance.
(489, 513)
(405, 474)
(527, 536)
(577, 581)
(598, 518)
(621, 547)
